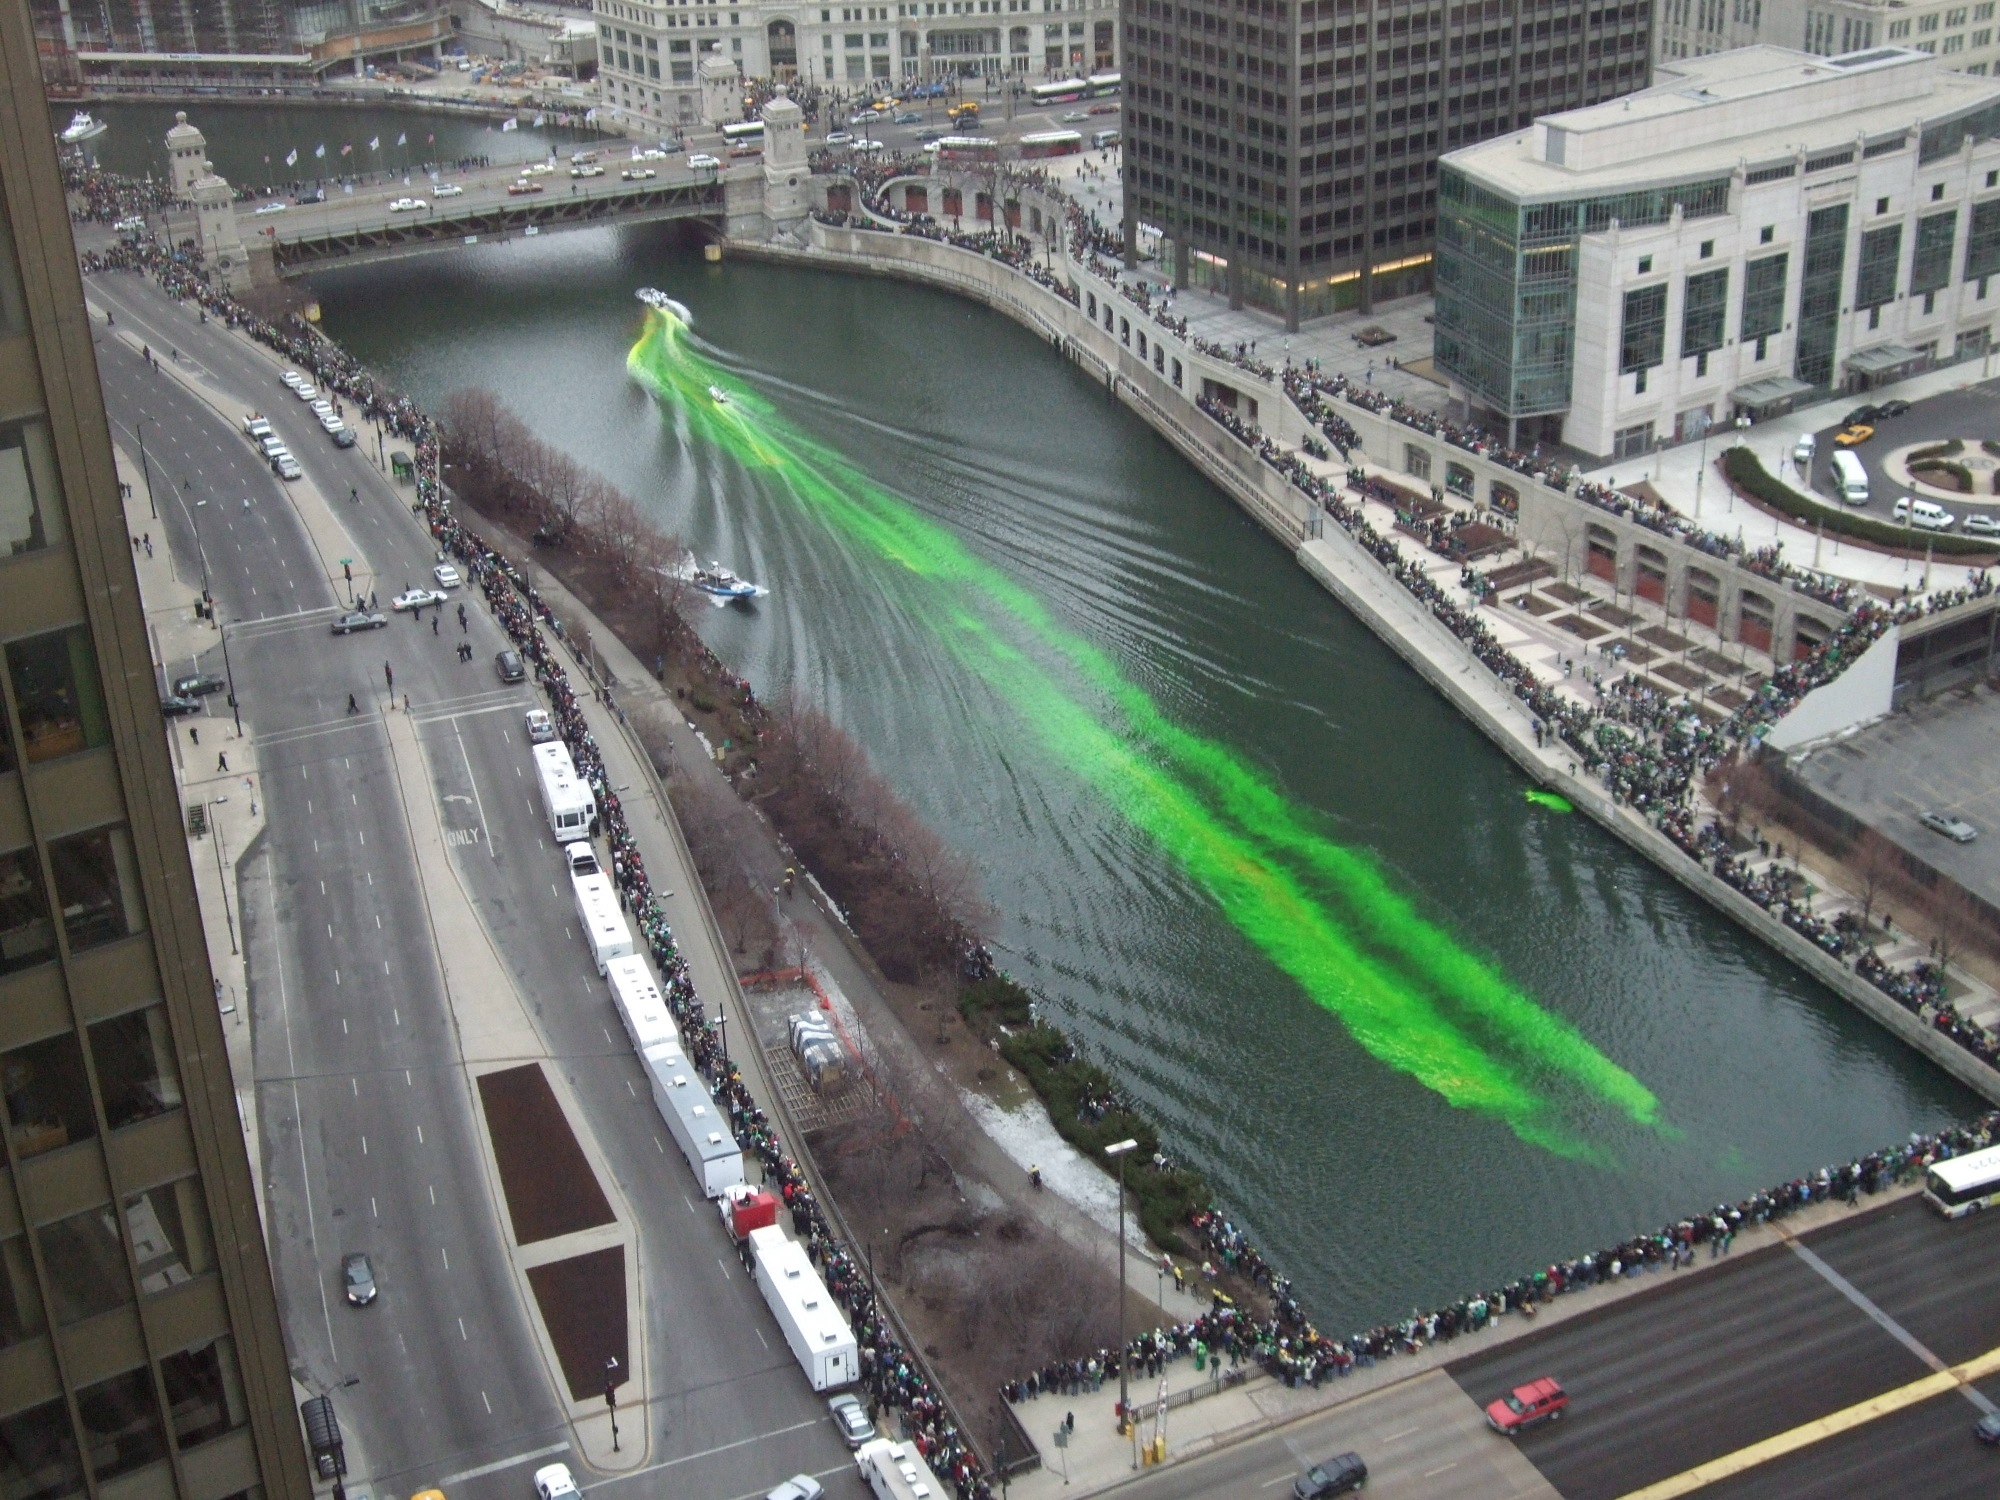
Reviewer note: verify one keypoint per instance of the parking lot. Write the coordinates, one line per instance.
(1965, 414)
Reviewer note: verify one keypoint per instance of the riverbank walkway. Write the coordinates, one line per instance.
(1828, 1341)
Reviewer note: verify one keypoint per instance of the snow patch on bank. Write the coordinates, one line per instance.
(1029, 1138)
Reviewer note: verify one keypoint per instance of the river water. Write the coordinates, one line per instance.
(1260, 869)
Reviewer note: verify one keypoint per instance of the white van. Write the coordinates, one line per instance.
(1850, 480)
(1925, 515)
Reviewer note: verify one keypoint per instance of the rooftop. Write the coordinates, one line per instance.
(1708, 115)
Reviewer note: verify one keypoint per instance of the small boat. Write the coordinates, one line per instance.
(661, 302)
(718, 395)
(82, 128)
(718, 582)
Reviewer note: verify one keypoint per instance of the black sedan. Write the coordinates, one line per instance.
(198, 686)
(358, 1278)
(359, 619)
(174, 705)
(1862, 416)
(508, 665)
(1891, 409)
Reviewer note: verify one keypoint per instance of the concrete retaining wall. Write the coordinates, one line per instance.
(1340, 565)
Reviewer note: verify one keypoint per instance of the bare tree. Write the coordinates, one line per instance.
(1875, 865)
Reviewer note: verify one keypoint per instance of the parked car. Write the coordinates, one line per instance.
(701, 161)
(359, 1278)
(851, 1418)
(1890, 409)
(287, 467)
(1956, 829)
(1339, 1475)
(447, 576)
(358, 619)
(294, 379)
(173, 705)
(331, 424)
(1861, 416)
(798, 1487)
(553, 1482)
(638, 174)
(835, 138)
(1982, 526)
(447, 190)
(1987, 1429)
(255, 428)
(321, 408)
(199, 685)
(344, 438)
(1527, 1406)
(1925, 515)
(541, 728)
(508, 665)
(306, 391)
(1854, 434)
(416, 599)
(909, 117)
(1076, 117)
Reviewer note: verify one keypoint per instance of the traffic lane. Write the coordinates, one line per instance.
(1964, 414)
(1924, 1452)
(1692, 1370)
(1421, 1439)
(1924, 1271)
(696, 1293)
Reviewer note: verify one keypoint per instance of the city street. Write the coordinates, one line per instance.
(369, 1135)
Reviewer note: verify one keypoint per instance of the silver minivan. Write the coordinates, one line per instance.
(1803, 451)
(1927, 515)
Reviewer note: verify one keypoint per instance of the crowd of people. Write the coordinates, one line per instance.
(100, 197)
(1287, 1345)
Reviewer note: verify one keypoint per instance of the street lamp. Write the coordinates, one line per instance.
(1700, 422)
(611, 1397)
(1117, 1152)
(722, 1028)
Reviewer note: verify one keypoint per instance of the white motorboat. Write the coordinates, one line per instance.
(718, 395)
(82, 127)
(661, 302)
(719, 583)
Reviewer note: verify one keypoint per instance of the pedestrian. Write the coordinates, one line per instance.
(434, 624)
(352, 706)
(222, 761)
(194, 734)
(406, 703)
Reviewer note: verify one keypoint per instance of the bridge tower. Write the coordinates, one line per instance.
(721, 91)
(187, 156)
(784, 161)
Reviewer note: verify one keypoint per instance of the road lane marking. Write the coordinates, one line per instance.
(688, 1458)
(489, 1404)
(1406, 1432)
(420, 1135)
(503, 1463)
(760, 1337)
(1433, 1473)
(298, 1112)
(725, 1270)
(1819, 1429)
(434, 1194)
(463, 1336)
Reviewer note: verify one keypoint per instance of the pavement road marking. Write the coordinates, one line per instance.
(688, 1458)
(502, 1463)
(1820, 1429)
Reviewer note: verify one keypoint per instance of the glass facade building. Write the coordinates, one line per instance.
(140, 1350)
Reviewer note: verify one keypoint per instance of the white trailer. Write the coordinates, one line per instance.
(814, 1326)
(895, 1471)
(566, 796)
(604, 928)
(640, 1005)
(696, 1124)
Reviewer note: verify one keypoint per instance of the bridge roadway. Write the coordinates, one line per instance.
(1692, 1371)
(360, 226)
(370, 1136)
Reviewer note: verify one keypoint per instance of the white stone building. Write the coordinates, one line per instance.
(1961, 32)
(1757, 226)
(649, 54)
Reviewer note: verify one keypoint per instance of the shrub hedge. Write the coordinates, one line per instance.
(1746, 471)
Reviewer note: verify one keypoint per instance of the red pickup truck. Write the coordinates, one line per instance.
(1527, 1406)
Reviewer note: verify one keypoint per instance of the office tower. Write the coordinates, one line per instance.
(140, 1352)
(1287, 150)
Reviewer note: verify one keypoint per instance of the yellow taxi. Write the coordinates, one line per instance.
(1854, 436)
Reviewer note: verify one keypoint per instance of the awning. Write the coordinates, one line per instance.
(1769, 391)
(1882, 359)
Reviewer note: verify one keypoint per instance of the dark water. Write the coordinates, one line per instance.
(1373, 1192)
(248, 141)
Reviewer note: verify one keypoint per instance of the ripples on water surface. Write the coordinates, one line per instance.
(1370, 1189)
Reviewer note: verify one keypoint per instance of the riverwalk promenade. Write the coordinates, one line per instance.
(1582, 639)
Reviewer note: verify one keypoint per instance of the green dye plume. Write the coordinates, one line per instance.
(1322, 913)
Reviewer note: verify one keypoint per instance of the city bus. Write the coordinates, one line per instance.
(1051, 143)
(744, 137)
(1102, 85)
(964, 148)
(1965, 1184)
(1063, 91)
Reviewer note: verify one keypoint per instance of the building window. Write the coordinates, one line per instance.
(1898, 30)
(1763, 298)
(97, 886)
(1881, 206)
(1632, 442)
(30, 509)
(1707, 249)
(38, 1454)
(1930, 263)
(1927, 23)
(48, 1096)
(1704, 302)
(1875, 276)
(136, 1074)
(170, 1238)
(27, 937)
(121, 1424)
(1642, 343)
(20, 1299)
(204, 1392)
(57, 695)
(1982, 242)
(1645, 265)
(86, 1265)
(1768, 233)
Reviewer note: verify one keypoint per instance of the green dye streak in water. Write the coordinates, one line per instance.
(1553, 801)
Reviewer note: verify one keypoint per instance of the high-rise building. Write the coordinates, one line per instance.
(1960, 32)
(140, 1350)
(1287, 150)
(1757, 229)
